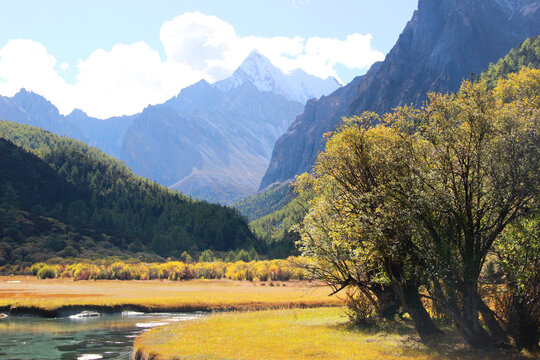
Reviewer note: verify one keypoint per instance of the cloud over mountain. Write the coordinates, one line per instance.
(129, 77)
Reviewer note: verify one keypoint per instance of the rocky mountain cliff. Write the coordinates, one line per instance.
(214, 141)
(444, 42)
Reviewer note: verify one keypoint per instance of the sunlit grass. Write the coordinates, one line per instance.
(52, 294)
(321, 333)
(280, 334)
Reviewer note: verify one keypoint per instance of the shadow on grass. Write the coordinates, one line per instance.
(397, 326)
(450, 345)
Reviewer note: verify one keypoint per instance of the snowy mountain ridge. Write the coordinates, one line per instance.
(296, 86)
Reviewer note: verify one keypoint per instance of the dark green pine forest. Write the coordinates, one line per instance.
(62, 198)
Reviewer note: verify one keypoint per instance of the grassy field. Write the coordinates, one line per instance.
(51, 294)
(320, 333)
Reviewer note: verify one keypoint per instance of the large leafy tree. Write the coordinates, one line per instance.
(357, 232)
(422, 197)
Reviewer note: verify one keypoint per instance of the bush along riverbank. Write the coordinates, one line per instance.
(263, 270)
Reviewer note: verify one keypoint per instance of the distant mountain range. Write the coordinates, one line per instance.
(444, 42)
(32, 109)
(211, 141)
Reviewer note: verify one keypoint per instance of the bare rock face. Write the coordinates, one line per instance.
(445, 42)
(208, 143)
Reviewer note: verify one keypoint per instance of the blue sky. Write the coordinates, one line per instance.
(115, 57)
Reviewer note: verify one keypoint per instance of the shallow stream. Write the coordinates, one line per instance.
(78, 337)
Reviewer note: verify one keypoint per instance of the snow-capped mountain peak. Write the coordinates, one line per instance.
(296, 86)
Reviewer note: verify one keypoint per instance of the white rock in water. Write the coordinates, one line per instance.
(85, 314)
(151, 324)
(90, 357)
(132, 313)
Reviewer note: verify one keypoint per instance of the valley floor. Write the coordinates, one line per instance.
(287, 331)
(51, 297)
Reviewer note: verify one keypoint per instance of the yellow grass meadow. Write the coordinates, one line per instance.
(51, 294)
(294, 334)
(289, 331)
(278, 335)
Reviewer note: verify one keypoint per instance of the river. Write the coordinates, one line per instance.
(78, 337)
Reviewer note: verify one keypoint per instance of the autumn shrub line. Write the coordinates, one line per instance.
(265, 270)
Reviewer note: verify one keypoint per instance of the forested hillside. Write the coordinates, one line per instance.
(527, 54)
(266, 202)
(275, 229)
(60, 194)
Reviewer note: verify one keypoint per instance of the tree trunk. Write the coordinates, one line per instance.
(423, 323)
(407, 291)
(388, 303)
(474, 333)
(491, 321)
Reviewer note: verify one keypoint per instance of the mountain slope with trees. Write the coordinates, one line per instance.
(525, 55)
(266, 202)
(211, 141)
(102, 199)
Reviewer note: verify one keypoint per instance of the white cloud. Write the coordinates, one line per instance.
(27, 64)
(197, 40)
(322, 54)
(130, 76)
(209, 44)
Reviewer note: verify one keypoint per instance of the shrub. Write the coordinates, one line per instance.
(36, 267)
(242, 255)
(47, 272)
(207, 256)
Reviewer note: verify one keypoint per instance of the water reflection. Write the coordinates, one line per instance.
(83, 338)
